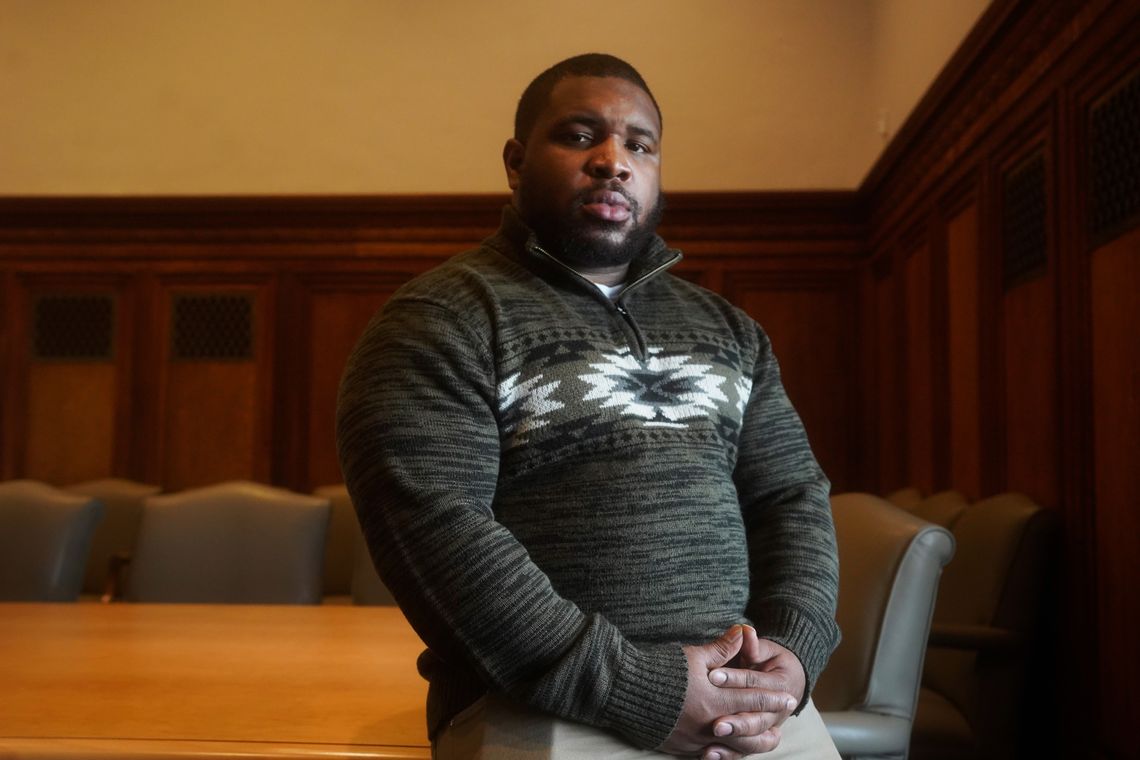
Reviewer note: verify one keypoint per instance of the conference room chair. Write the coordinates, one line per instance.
(234, 542)
(943, 508)
(905, 498)
(889, 568)
(115, 535)
(45, 536)
(341, 544)
(367, 588)
(982, 697)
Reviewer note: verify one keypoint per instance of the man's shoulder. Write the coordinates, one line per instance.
(701, 299)
(470, 273)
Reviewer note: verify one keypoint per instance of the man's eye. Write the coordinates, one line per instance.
(578, 138)
(637, 147)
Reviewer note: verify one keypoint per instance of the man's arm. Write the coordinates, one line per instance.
(419, 447)
(791, 537)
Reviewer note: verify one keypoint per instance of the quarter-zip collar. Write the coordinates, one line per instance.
(515, 238)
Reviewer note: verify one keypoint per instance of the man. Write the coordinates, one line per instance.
(579, 475)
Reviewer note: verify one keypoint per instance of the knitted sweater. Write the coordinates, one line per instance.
(560, 490)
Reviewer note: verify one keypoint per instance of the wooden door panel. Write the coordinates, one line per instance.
(810, 323)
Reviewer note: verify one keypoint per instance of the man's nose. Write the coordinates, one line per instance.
(610, 160)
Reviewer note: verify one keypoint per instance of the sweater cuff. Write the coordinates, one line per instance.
(794, 631)
(648, 693)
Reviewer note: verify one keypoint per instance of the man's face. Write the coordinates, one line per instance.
(588, 178)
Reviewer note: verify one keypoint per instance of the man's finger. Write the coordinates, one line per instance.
(726, 647)
(736, 747)
(743, 678)
(763, 700)
(746, 724)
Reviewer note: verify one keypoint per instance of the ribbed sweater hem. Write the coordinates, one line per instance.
(646, 698)
(791, 629)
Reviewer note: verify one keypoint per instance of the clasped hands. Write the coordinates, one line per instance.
(741, 689)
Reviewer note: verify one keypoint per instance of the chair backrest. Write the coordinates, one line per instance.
(998, 583)
(118, 530)
(943, 508)
(237, 542)
(905, 498)
(45, 536)
(889, 567)
(342, 542)
(367, 588)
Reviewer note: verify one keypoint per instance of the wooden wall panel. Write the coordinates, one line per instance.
(65, 420)
(70, 435)
(210, 425)
(1031, 404)
(919, 370)
(1116, 424)
(886, 391)
(339, 310)
(963, 270)
(809, 321)
(215, 414)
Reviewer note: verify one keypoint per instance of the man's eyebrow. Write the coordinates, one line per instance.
(585, 119)
(645, 132)
(593, 121)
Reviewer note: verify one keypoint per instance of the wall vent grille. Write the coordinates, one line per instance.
(1024, 229)
(73, 327)
(212, 327)
(1114, 161)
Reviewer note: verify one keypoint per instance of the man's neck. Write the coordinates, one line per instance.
(605, 276)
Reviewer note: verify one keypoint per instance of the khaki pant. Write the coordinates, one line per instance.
(495, 729)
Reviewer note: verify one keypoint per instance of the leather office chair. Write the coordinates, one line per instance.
(342, 542)
(236, 542)
(905, 498)
(943, 508)
(367, 588)
(115, 536)
(889, 567)
(45, 536)
(991, 624)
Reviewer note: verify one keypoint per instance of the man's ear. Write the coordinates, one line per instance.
(513, 154)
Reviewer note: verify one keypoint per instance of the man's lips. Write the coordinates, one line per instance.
(608, 205)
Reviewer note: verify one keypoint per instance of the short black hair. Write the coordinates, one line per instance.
(537, 93)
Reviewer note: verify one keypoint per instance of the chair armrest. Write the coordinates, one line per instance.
(117, 565)
(980, 637)
(859, 733)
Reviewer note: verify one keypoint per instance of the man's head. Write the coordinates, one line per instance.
(584, 164)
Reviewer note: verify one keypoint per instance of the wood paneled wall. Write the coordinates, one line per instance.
(1000, 288)
(227, 322)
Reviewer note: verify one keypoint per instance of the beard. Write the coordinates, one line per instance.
(587, 243)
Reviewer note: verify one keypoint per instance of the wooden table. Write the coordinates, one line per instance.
(188, 681)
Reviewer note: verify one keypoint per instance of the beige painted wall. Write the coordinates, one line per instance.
(912, 41)
(409, 96)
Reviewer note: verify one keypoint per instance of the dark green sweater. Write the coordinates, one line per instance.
(560, 490)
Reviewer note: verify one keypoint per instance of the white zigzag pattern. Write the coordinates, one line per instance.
(743, 393)
(615, 375)
(531, 400)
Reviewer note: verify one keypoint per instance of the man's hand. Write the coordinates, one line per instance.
(746, 715)
(760, 664)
